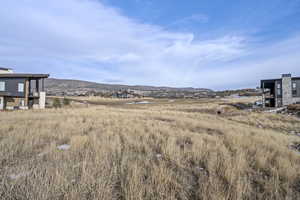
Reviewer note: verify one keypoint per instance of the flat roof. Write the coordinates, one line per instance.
(268, 81)
(18, 75)
(278, 79)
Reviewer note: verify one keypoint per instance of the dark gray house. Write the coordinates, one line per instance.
(21, 91)
(281, 92)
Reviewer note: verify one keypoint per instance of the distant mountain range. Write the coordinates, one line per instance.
(68, 87)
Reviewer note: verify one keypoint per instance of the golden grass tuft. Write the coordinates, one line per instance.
(178, 150)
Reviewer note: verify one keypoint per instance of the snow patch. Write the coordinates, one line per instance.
(139, 102)
(19, 175)
(64, 147)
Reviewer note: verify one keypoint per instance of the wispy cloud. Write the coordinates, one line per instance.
(84, 39)
(195, 18)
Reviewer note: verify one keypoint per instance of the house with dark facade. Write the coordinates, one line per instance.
(21, 91)
(281, 92)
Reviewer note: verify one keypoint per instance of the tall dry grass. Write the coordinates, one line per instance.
(170, 151)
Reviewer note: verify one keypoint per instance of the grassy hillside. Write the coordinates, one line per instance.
(164, 150)
(58, 86)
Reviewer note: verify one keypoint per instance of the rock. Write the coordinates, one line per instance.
(158, 155)
(139, 102)
(143, 102)
(277, 110)
(64, 147)
(43, 154)
(295, 146)
(19, 175)
(200, 168)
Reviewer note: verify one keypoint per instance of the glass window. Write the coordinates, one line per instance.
(278, 91)
(294, 85)
(2, 86)
(21, 87)
(294, 92)
(278, 85)
(294, 88)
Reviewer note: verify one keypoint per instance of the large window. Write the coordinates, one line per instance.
(2, 86)
(279, 92)
(278, 86)
(294, 88)
(21, 87)
(278, 89)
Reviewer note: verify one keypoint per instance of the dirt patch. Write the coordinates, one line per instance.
(294, 107)
(296, 185)
(184, 143)
(229, 111)
(164, 119)
(240, 106)
(208, 131)
(295, 146)
(195, 110)
(222, 110)
(294, 110)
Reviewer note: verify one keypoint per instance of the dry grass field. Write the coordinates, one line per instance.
(178, 149)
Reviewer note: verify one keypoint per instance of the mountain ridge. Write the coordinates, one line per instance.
(50, 82)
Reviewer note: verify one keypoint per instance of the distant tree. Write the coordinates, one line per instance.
(56, 103)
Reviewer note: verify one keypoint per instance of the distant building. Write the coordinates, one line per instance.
(281, 92)
(21, 91)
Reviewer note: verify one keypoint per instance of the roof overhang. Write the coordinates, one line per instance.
(270, 81)
(266, 83)
(5, 68)
(16, 75)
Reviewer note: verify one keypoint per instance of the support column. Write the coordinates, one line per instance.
(2, 103)
(26, 96)
(287, 89)
(263, 96)
(43, 85)
(37, 85)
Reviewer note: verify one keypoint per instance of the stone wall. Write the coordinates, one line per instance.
(287, 98)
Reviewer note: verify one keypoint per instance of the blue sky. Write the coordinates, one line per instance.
(214, 44)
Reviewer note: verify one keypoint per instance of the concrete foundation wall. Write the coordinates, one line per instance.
(14, 102)
(1, 103)
(278, 102)
(11, 103)
(296, 100)
(42, 100)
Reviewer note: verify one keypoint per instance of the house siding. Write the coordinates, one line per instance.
(298, 87)
(287, 96)
(11, 87)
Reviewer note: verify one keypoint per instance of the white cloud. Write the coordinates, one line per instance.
(84, 39)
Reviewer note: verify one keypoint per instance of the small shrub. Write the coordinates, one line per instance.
(56, 103)
(66, 102)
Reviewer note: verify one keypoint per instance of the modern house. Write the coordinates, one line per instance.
(21, 91)
(281, 92)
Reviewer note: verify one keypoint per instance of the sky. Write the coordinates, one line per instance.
(216, 44)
